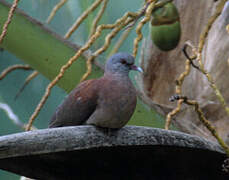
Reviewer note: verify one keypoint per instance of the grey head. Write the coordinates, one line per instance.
(121, 63)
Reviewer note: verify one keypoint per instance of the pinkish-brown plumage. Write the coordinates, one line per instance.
(105, 102)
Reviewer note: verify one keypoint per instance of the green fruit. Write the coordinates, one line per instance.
(165, 27)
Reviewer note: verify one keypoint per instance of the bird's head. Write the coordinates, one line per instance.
(121, 63)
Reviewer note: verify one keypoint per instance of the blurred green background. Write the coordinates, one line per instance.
(24, 106)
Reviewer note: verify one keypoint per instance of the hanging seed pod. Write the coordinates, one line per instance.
(165, 27)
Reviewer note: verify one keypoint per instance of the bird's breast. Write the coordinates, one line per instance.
(118, 98)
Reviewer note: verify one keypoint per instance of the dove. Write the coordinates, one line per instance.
(107, 102)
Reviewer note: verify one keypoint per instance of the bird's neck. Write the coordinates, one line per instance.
(116, 75)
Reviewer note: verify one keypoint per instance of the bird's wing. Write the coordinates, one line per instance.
(116, 103)
(77, 106)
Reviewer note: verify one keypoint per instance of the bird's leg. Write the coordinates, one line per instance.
(105, 130)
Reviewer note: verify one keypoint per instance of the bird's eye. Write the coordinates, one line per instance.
(123, 61)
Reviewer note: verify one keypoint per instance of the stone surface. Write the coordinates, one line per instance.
(87, 152)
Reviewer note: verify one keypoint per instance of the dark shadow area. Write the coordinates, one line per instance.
(135, 163)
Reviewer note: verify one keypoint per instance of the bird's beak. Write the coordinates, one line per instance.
(136, 68)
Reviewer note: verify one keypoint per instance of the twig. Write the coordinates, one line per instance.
(181, 78)
(12, 68)
(142, 12)
(178, 88)
(28, 79)
(202, 40)
(216, 90)
(188, 57)
(140, 25)
(8, 21)
(206, 123)
(198, 55)
(205, 32)
(129, 27)
(119, 25)
(227, 28)
(162, 3)
(72, 60)
(81, 18)
(120, 41)
(212, 84)
(55, 9)
(98, 17)
(173, 113)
